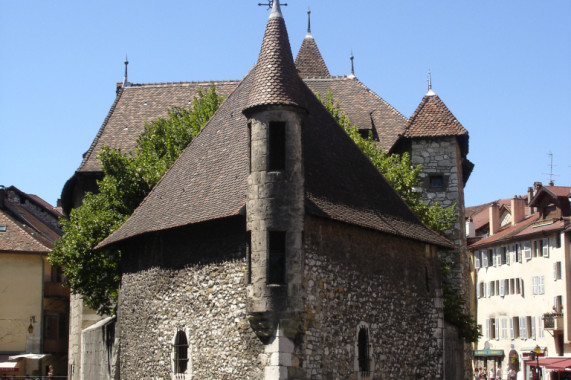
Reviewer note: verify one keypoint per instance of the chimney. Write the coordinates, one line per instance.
(518, 209)
(494, 222)
(470, 230)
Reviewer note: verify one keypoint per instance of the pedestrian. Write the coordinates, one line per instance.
(499, 373)
(511, 374)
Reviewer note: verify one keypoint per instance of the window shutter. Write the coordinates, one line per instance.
(512, 335)
(555, 271)
(502, 287)
(527, 250)
(477, 259)
(508, 254)
(484, 259)
(478, 290)
(532, 327)
(534, 285)
(519, 252)
(540, 326)
(488, 290)
(545, 247)
(497, 257)
(488, 328)
(497, 328)
(521, 287)
(540, 285)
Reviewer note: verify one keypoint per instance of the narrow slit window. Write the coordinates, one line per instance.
(277, 148)
(277, 262)
(363, 351)
(180, 352)
(249, 257)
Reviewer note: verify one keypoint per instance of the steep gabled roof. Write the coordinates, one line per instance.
(137, 105)
(363, 107)
(209, 180)
(433, 119)
(553, 192)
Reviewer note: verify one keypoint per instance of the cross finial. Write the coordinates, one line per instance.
(270, 4)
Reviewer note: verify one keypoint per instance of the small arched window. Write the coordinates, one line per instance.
(180, 352)
(363, 350)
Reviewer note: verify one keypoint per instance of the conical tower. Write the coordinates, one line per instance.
(275, 197)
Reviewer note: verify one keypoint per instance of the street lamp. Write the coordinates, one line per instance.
(31, 326)
(534, 354)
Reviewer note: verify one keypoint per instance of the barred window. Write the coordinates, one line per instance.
(180, 352)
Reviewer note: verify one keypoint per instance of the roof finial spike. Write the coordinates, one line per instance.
(429, 91)
(125, 77)
(352, 75)
(276, 10)
(308, 20)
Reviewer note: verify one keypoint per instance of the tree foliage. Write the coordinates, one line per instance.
(398, 170)
(128, 178)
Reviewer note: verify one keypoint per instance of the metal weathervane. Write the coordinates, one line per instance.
(270, 3)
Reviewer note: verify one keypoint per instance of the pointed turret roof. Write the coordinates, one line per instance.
(432, 119)
(275, 77)
(309, 62)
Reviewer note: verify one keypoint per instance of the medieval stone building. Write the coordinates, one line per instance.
(273, 248)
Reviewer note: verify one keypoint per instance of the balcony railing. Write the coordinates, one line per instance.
(553, 321)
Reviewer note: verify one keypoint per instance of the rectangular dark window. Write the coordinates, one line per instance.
(250, 146)
(249, 257)
(437, 181)
(277, 262)
(277, 148)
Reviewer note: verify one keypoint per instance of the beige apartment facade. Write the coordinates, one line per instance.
(523, 283)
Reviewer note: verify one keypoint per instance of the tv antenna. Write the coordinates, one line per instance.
(551, 174)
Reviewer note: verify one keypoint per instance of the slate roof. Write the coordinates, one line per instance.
(309, 62)
(432, 119)
(209, 180)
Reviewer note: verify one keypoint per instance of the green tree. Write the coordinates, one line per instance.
(128, 178)
(398, 170)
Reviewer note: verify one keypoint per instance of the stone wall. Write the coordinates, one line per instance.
(99, 348)
(354, 275)
(191, 279)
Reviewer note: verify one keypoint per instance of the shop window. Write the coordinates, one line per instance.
(277, 257)
(277, 148)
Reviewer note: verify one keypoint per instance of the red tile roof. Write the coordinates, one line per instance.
(433, 119)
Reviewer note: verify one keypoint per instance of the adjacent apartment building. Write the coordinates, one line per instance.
(521, 250)
(34, 306)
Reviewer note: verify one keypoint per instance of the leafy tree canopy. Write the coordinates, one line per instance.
(127, 179)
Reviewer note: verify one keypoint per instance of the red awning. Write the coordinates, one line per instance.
(9, 367)
(549, 361)
(559, 365)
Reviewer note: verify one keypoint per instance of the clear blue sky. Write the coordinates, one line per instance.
(502, 67)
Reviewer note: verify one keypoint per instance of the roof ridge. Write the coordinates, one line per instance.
(380, 98)
(183, 82)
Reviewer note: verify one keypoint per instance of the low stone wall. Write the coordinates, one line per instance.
(99, 348)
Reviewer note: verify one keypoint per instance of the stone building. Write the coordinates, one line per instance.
(137, 104)
(271, 251)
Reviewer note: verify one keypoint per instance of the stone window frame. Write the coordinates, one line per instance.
(371, 361)
(187, 374)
